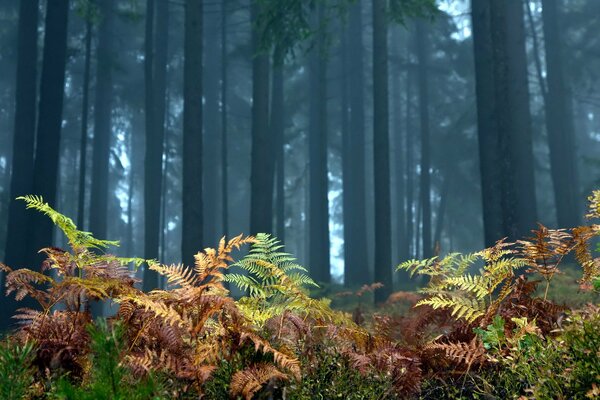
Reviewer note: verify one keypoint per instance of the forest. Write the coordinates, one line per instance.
(299, 199)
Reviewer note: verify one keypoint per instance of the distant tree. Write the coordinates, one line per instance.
(224, 124)
(277, 127)
(383, 230)
(49, 125)
(422, 51)
(356, 263)
(262, 166)
(102, 121)
(155, 74)
(318, 208)
(16, 249)
(559, 121)
(192, 218)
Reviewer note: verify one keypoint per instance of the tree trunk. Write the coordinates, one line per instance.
(489, 157)
(261, 174)
(155, 69)
(410, 170)
(383, 230)
(318, 201)
(422, 44)
(559, 123)
(84, 121)
(192, 221)
(211, 127)
(45, 168)
(224, 132)
(102, 122)
(278, 133)
(21, 181)
(356, 262)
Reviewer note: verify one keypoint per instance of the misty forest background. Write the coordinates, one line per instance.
(360, 133)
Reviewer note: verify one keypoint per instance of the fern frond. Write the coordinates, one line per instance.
(475, 284)
(460, 307)
(76, 237)
(248, 382)
(468, 353)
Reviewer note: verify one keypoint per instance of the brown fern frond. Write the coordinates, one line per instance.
(283, 360)
(177, 275)
(22, 281)
(545, 250)
(462, 352)
(248, 382)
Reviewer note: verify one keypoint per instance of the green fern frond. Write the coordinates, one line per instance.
(76, 237)
(475, 284)
(460, 307)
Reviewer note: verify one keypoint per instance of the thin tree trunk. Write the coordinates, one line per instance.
(102, 123)
(439, 223)
(422, 44)
(356, 261)
(559, 122)
(16, 249)
(155, 80)
(383, 229)
(410, 171)
(224, 130)
(318, 204)
(84, 121)
(192, 221)
(278, 133)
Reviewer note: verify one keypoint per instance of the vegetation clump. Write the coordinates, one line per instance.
(470, 335)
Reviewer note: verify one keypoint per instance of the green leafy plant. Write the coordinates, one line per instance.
(16, 369)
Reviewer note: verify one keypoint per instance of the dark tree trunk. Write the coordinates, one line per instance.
(102, 122)
(155, 64)
(224, 132)
(16, 248)
(45, 167)
(356, 262)
(489, 157)
(192, 222)
(261, 174)
(383, 230)
(211, 127)
(422, 50)
(516, 124)
(84, 121)
(559, 122)
(410, 170)
(278, 134)
(318, 203)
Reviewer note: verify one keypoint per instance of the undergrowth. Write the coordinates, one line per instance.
(503, 332)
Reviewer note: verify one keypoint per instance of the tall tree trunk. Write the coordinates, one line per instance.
(224, 131)
(45, 167)
(278, 133)
(156, 49)
(516, 124)
(102, 122)
(489, 157)
(410, 170)
(84, 120)
(383, 229)
(559, 122)
(21, 181)
(422, 44)
(211, 127)
(356, 262)
(192, 219)
(261, 174)
(318, 202)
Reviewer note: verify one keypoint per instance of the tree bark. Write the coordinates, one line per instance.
(383, 230)
(559, 123)
(318, 201)
(192, 221)
(84, 121)
(47, 154)
(102, 122)
(356, 262)
(155, 69)
(261, 174)
(224, 130)
(422, 44)
(16, 249)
